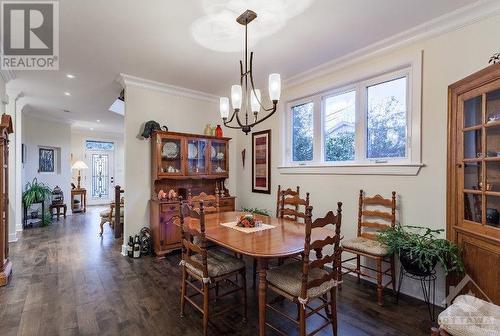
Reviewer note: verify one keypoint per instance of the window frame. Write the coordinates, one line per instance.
(408, 165)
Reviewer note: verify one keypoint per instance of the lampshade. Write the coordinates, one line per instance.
(79, 165)
(274, 86)
(224, 107)
(255, 99)
(236, 93)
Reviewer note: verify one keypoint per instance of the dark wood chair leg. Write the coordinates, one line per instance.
(244, 289)
(183, 291)
(393, 274)
(206, 295)
(379, 282)
(216, 291)
(254, 273)
(358, 267)
(333, 307)
(302, 320)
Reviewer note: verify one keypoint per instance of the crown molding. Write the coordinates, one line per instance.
(7, 75)
(128, 80)
(455, 20)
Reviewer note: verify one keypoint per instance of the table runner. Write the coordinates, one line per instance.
(261, 227)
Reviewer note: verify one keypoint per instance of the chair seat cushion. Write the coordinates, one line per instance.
(218, 264)
(288, 278)
(105, 213)
(470, 316)
(366, 245)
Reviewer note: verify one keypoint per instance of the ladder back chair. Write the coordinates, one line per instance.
(287, 192)
(211, 202)
(290, 207)
(370, 222)
(203, 269)
(309, 280)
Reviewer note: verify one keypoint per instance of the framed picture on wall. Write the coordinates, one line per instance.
(261, 162)
(46, 160)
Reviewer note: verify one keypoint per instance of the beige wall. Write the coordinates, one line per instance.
(446, 59)
(180, 114)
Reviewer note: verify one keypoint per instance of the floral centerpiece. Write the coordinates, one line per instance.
(246, 221)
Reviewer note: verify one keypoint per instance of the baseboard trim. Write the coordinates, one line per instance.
(13, 237)
(124, 250)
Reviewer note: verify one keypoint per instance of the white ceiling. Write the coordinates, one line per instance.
(152, 39)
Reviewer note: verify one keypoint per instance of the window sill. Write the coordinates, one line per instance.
(410, 169)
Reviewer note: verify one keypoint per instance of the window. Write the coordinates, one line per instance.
(386, 120)
(368, 123)
(99, 145)
(339, 127)
(302, 131)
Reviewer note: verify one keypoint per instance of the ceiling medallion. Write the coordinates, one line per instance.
(245, 97)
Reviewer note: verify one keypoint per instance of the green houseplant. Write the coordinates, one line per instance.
(420, 249)
(35, 191)
(256, 211)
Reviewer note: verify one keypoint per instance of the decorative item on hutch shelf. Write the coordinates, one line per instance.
(172, 195)
(218, 132)
(250, 99)
(150, 127)
(162, 195)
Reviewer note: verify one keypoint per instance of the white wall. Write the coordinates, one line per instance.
(38, 132)
(179, 114)
(447, 58)
(78, 139)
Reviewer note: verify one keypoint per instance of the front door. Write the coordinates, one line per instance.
(101, 168)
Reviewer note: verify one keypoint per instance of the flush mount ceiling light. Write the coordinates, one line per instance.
(70, 76)
(250, 98)
(218, 31)
(67, 94)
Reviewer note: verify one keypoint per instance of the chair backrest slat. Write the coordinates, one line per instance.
(289, 206)
(385, 211)
(318, 246)
(210, 202)
(287, 192)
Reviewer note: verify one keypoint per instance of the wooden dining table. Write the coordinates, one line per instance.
(285, 239)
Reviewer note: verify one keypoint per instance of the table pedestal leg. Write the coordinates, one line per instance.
(262, 295)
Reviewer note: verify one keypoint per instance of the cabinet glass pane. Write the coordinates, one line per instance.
(196, 162)
(472, 175)
(472, 112)
(493, 141)
(472, 207)
(218, 157)
(493, 211)
(171, 156)
(492, 176)
(493, 106)
(472, 144)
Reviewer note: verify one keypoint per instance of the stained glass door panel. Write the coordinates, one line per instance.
(100, 176)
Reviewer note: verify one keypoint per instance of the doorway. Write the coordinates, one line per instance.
(99, 157)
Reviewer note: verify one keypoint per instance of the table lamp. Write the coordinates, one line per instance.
(79, 165)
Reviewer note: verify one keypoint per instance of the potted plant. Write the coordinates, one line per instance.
(35, 192)
(420, 249)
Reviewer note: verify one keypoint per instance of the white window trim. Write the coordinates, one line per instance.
(410, 67)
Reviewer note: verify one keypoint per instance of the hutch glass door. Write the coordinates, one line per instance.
(196, 156)
(171, 156)
(218, 157)
(480, 156)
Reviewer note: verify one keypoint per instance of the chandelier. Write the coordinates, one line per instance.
(245, 97)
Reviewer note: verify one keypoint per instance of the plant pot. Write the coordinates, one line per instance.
(412, 266)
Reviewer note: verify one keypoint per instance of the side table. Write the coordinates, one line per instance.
(82, 193)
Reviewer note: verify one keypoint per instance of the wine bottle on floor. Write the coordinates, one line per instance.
(137, 247)
(130, 247)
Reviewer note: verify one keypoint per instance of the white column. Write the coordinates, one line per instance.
(15, 166)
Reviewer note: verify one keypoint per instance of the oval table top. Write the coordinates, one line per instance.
(285, 239)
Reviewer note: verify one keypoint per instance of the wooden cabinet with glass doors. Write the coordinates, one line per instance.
(474, 178)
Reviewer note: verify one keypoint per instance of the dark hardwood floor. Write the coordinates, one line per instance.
(69, 281)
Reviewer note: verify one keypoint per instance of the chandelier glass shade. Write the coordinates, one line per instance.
(246, 100)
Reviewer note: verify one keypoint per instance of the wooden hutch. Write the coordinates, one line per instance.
(5, 264)
(185, 163)
(473, 195)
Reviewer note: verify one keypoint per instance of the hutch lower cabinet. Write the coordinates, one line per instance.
(473, 195)
(186, 164)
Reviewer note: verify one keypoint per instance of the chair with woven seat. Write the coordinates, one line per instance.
(286, 193)
(203, 269)
(108, 216)
(366, 243)
(305, 281)
(210, 202)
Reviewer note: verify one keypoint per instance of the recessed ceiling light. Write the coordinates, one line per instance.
(92, 128)
(98, 120)
(67, 94)
(70, 76)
